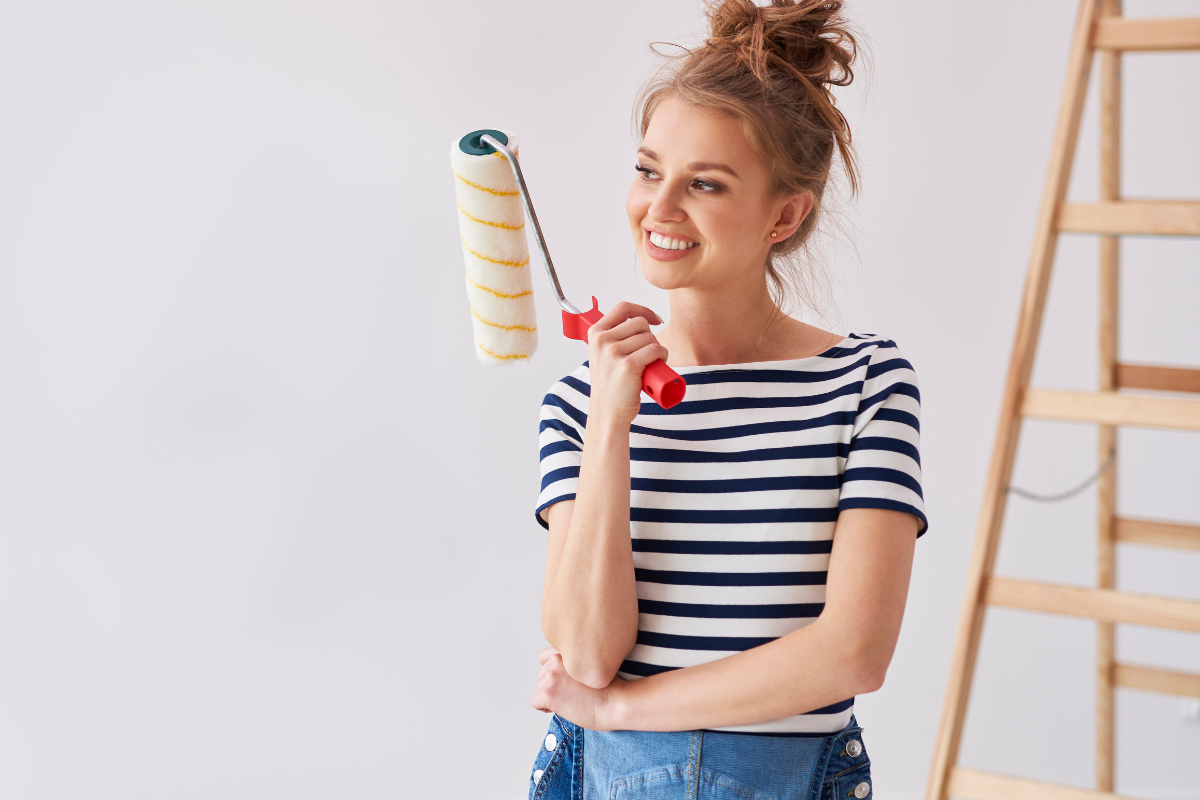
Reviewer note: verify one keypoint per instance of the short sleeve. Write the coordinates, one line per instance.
(883, 468)
(561, 426)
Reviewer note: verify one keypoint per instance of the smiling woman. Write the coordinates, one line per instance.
(723, 577)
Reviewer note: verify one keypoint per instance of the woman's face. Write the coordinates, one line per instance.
(701, 208)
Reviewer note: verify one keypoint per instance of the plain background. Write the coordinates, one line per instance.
(266, 526)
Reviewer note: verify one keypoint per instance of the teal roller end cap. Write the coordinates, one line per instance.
(472, 146)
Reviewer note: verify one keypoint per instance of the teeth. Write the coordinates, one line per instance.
(658, 240)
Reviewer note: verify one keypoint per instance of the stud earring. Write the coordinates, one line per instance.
(773, 234)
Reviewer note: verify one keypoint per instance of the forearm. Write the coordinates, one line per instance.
(808, 669)
(589, 612)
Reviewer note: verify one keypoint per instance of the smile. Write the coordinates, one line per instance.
(667, 243)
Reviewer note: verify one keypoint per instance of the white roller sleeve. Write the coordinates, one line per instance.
(491, 220)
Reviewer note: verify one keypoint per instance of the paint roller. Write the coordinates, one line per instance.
(490, 190)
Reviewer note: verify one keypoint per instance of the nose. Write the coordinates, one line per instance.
(666, 206)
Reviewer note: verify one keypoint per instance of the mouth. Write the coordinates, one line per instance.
(661, 247)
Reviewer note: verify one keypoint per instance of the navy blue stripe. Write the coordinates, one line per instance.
(732, 517)
(893, 415)
(886, 443)
(643, 669)
(661, 455)
(881, 474)
(560, 474)
(553, 424)
(706, 611)
(675, 642)
(884, 367)
(571, 411)
(753, 429)
(732, 548)
(578, 385)
(776, 484)
(906, 389)
(741, 403)
(557, 447)
(731, 578)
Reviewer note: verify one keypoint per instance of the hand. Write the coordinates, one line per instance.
(620, 347)
(559, 692)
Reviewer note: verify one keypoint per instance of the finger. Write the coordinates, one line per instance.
(622, 330)
(540, 701)
(648, 355)
(546, 653)
(634, 343)
(623, 311)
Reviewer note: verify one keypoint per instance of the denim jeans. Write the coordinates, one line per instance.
(575, 763)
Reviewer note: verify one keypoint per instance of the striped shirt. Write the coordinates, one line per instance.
(736, 491)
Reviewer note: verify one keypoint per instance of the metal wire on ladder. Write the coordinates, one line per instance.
(1067, 495)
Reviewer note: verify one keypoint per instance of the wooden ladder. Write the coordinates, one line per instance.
(1099, 27)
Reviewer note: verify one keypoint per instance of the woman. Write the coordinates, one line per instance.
(710, 628)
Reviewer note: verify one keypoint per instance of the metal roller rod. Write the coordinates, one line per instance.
(537, 229)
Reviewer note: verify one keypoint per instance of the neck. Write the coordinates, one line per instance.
(735, 324)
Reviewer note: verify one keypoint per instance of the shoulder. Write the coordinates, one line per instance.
(567, 398)
(879, 355)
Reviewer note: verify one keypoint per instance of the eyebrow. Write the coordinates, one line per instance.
(695, 166)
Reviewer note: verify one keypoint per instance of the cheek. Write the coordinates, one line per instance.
(636, 206)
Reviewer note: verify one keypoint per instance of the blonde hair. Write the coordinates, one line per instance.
(772, 68)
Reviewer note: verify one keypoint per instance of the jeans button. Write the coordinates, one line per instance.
(537, 776)
(854, 748)
(551, 741)
(862, 790)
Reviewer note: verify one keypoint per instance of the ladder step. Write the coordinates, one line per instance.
(1148, 217)
(1163, 379)
(1182, 33)
(1103, 605)
(1161, 534)
(974, 784)
(1108, 408)
(1184, 684)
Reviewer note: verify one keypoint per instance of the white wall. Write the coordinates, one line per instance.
(266, 526)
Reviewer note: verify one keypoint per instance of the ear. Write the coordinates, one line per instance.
(792, 211)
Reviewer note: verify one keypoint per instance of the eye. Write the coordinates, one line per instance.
(706, 186)
(647, 173)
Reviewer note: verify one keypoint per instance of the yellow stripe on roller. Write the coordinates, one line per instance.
(497, 355)
(502, 327)
(499, 294)
(496, 192)
(495, 260)
(504, 225)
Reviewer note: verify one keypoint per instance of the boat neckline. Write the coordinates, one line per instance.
(776, 364)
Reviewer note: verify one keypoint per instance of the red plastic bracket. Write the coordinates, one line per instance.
(664, 385)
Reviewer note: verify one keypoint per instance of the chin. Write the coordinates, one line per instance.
(666, 274)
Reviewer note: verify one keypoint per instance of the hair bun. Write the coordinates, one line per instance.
(809, 38)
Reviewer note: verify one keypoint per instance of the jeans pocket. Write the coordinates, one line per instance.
(715, 786)
(666, 783)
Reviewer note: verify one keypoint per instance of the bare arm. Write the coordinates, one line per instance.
(845, 652)
(589, 600)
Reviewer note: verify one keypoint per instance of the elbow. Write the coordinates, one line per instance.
(871, 660)
(592, 663)
(593, 672)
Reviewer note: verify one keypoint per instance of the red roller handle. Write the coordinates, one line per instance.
(664, 385)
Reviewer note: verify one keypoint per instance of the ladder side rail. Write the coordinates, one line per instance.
(983, 556)
(1106, 436)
